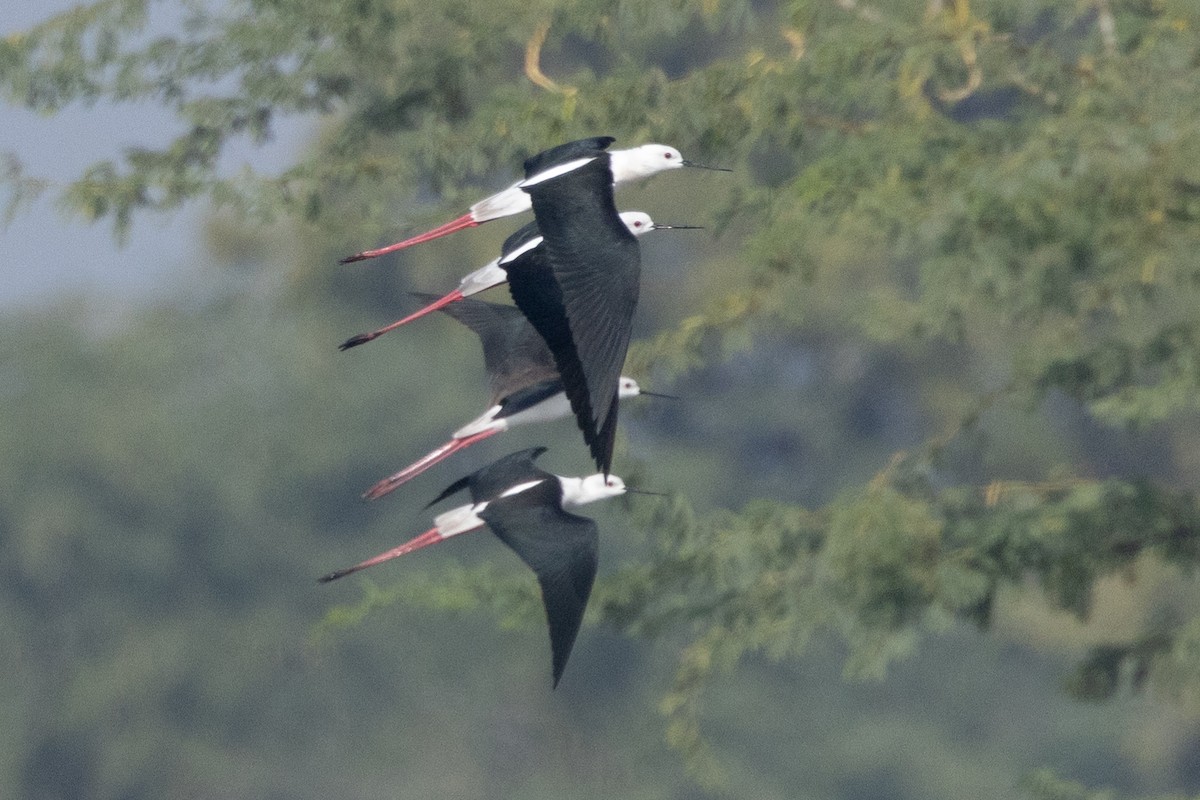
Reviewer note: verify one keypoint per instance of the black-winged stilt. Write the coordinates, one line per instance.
(523, 379)
(526, 508)
(581, 295)
(627, 165)
(517, 251)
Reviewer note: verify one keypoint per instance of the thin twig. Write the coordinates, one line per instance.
(533, 57)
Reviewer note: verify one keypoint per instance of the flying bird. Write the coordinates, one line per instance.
(627, 165)
(527, 509)
(581, 294)
(517, 251)
(524, 382)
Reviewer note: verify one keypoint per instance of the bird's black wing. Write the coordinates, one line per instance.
(596, 264)
(524, 399)
(501, 475)
(580, 148)
(536, 292)
(514, 355)
(519, 237)
(491, 481)
(561, 549)
(454, 488)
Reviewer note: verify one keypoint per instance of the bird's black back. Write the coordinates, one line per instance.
(580, 148)
(491, 481)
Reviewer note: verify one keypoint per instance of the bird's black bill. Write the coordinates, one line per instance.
(660, 394)
(643, 491)
(658, 227)
(694, 165)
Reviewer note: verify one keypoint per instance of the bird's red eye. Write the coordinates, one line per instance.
(668, 156)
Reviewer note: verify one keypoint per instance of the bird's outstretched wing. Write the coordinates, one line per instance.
(536, 292)
(514, 354)
(596, 266)
(561, 549)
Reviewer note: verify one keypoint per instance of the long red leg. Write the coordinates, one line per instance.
(429, 537)
(363, 338)
(465, 221)
(412, 470)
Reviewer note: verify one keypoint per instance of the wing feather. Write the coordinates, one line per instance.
(596, 267)
(514, 354)
(561, 549)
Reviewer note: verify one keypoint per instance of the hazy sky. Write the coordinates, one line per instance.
(46, 254)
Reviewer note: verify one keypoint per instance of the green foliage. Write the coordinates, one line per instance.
(999, 199)
(881, 549)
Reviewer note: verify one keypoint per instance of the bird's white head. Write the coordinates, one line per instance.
(628, 387)
(580, 491)
(644, 161)
(638, 222)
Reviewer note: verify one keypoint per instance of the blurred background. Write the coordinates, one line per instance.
(933, 527)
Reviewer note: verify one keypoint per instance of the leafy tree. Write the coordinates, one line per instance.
(997, 201)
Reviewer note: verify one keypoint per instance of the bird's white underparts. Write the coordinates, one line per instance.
(511, 413)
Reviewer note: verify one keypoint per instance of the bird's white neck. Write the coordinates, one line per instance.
(642, 162)
(581, 491)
